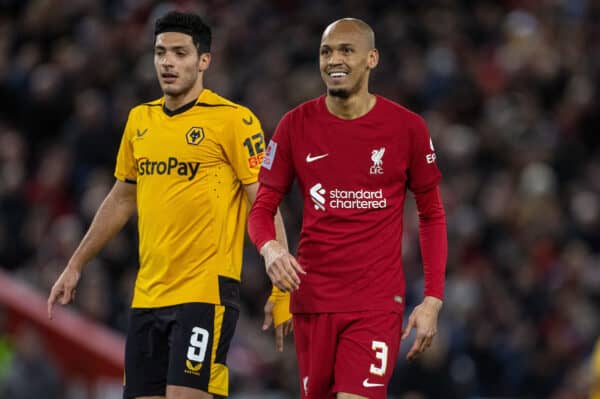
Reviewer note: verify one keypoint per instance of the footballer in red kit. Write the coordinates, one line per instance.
(354, 175)
(354, 155)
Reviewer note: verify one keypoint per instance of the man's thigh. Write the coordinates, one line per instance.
(346, 353)
(315, 341)
(147, 352)
(366, 353)
(199, 343)
(180, 346)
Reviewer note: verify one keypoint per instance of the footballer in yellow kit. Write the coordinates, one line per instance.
(188, 164)
(189, 168)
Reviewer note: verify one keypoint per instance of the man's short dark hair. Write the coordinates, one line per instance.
(188, 23)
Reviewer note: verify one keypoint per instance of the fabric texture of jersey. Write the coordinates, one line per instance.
(190, 168)
(353, 175)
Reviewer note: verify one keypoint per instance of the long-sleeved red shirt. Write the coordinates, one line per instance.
(354, 175)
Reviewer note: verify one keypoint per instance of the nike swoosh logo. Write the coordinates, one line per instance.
(315, 158)
(248, 121)
(140, 134)
(368, 384)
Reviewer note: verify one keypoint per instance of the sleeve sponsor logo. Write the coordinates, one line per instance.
(256, 150)
(255, 161)
(430, 158)
(269, 157)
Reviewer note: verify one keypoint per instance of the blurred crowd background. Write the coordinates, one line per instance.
(510, 91)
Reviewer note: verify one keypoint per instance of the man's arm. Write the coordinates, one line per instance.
(115, 210)
(281, 266)
(434, 251)
(277, 307)
(281, 236)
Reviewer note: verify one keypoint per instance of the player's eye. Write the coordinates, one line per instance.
(325, 51)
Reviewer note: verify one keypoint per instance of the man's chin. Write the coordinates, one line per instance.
(338, 92)
(170, 90)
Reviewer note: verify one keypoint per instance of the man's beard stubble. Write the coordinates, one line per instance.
(345, 93)
(340, 93)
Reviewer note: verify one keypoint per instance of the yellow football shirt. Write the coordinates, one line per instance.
(190, 167)
(595, 387)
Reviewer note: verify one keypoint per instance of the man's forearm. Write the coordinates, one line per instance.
(264, 221)
(280, 233)
(433, 241)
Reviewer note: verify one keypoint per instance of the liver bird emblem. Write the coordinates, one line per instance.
(376, 156)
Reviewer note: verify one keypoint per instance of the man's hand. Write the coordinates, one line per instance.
(424, 319)
(282, 328)
(63, 290)
(281, 266)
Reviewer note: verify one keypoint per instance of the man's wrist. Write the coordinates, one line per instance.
(433, 302)
(267, 246)
(77, 267)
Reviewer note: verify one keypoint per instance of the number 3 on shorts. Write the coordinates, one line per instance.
(381, 353)
(198, 342)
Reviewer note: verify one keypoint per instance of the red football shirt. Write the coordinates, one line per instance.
(353, 175)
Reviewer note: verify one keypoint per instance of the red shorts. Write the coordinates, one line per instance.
(346, 352)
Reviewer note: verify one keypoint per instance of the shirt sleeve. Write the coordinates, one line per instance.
(126, 168)
(433, 240)
(277, 171)
(423, 173)
(245, 147)
(261, 224)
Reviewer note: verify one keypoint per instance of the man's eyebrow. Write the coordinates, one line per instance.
(179, 47)
(337, 45)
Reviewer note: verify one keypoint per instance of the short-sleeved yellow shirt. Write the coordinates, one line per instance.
(595, 388)
(190, 167)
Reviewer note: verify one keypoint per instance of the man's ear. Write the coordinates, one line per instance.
(204, 62)
(372, 58)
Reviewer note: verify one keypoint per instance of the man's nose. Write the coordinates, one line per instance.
(166, 60)
(335, 58)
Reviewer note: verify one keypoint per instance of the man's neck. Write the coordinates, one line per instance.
(352, 107)
(174, 102)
